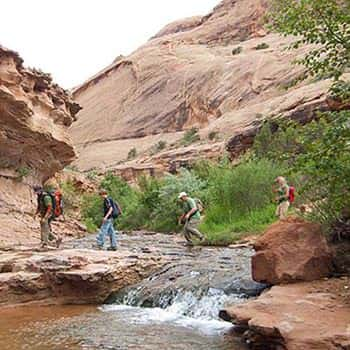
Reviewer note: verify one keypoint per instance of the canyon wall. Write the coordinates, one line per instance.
(34, 144)
(222, 73)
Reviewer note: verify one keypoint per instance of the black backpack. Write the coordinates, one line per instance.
(116, 209)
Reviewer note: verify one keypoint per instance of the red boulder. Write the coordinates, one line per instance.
(291, 251)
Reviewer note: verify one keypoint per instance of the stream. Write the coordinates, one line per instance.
(175, 308)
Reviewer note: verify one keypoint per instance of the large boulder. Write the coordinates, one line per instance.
(291, 251)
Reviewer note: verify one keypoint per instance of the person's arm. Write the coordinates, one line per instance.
(109, 211)
(180, 221)
(192, 211)
(48, 204)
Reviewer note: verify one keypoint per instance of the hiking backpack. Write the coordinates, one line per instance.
(116, 209)
(199, 205)
(57, 202)
(291, 196)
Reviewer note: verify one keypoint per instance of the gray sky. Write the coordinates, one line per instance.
(73, 39)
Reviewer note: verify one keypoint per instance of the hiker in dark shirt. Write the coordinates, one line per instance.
(111, 210)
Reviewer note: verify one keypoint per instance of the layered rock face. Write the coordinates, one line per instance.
(187, 76)
(34, 143)
(291, 251)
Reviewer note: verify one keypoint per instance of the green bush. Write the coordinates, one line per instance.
(169, 208)
(237, 50)
(132, 153)
(318, 154)
(190, 137)
(239, 199)
(158, 147)
(340, 91)
(262, 46)
(23, 172)
(213, 135)
(283, 145)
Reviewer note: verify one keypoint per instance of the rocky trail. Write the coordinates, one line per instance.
(78, 274)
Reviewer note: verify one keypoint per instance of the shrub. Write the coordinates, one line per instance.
(238, 194)
(279, 141)
(168, 207)
(158, 147)
(92, 175)
(190, 137)
(317, 153)
(23, 172)
(262, 46)
(340, 91)
(237, 50)
(132, 153)
(213, 135)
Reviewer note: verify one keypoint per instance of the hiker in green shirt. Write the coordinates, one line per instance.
(45, 211)
(190, 218)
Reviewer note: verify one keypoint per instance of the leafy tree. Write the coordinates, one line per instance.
(324, 23)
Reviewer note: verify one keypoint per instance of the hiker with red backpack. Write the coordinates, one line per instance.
(48, 208)
(285, 197)
(111, 211)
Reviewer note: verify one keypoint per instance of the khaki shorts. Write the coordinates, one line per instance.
(282, 210)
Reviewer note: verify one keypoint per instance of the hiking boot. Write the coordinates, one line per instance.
(112, 249)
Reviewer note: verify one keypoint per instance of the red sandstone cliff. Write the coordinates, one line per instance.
(187, 76)
(34, 143)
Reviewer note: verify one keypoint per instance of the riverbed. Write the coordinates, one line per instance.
(175, 308)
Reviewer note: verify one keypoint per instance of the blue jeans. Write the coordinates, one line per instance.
(107, 229)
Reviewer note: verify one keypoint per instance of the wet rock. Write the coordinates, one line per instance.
(313, 315)
(69, 276)
(291, 251)
(226, 272)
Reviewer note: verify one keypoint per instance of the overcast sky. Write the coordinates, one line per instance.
(73, 39)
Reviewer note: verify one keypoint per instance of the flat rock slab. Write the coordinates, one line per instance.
(78, 276)
(303, 316)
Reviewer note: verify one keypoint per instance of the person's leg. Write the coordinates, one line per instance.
(284, 210)
(112, 234)
(187, 233)
(101, 234)
(192, 228)
(45, 232)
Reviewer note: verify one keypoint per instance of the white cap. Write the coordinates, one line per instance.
(182, 194)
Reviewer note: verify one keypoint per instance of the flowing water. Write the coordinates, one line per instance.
(176, 308)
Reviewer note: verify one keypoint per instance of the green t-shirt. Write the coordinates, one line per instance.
(282, 193)
(46, 201)
(189, 204)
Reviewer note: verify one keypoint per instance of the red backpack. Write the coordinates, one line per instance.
(291, 194)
